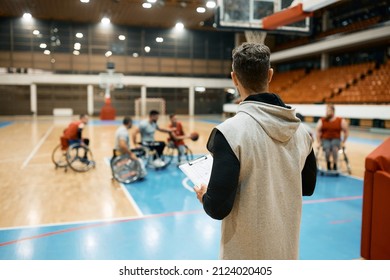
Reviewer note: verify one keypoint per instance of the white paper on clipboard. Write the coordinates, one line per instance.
(198, 170)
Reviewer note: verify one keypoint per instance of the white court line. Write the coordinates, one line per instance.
(127, 194)
(36, 148)
(185, 184)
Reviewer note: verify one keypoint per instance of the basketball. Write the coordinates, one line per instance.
(194, 136)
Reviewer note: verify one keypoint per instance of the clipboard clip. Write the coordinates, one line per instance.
(197, 160)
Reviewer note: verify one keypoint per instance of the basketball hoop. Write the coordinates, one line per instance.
(109, 81)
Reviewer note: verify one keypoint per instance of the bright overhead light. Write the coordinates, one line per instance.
(201, 10)
(79, 35)
(36, 32)
(200, 89)
(47, 52)
(135, 54)
(179, 26)
(122, 37)
(152, 1)
(147, 5)
(76, 52)
(27, 16)
(159, 39)
(84, 1)
(77, 46)
(211, 4)
(105, 20)
(108, 54)
(42, 45)
(147, 49)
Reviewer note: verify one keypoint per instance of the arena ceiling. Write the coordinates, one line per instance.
(163, 13)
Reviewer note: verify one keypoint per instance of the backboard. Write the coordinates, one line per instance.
(250, 14)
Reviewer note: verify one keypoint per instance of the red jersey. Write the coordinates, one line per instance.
(71, 132)
(179, 132)
(331, 129)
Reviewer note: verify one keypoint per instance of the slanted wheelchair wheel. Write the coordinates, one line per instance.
(125, 170)
(188, 154)
(59, 157)
(79, 158)
(152, 160)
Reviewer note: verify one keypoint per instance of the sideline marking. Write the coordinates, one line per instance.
(101, 224)
(127, 193)
(36, 148)
(332, 199)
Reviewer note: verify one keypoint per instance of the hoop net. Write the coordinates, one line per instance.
(255, 36)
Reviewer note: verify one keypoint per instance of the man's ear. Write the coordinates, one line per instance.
(234, 78)
(270, 74)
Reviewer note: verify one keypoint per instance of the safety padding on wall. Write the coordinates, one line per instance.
(107, 112)
(375, 241)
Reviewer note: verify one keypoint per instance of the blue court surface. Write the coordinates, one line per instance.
(172, 226)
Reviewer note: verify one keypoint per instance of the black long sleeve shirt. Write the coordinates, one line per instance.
(219, 198)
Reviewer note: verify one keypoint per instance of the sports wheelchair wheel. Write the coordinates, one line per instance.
(153, 160)
(58, 157)
(173, 152)
(343, 165)
(124, 169)
(79, 158)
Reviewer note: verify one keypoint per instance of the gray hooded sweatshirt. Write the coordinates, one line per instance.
(272, 147)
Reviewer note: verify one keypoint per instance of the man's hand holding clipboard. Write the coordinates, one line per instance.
(199, 172)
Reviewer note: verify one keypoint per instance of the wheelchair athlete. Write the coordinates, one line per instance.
(177, 137)
(128, 167)
(73, 135)
(147, 128)
(329, 131)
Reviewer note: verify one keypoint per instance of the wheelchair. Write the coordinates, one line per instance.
(173, 152)
(76, 156)
(125, 170)
(152, 159)
(343, 166)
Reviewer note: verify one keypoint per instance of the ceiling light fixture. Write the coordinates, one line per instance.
(159, 39)
(211, 4)
(47, 52)
(147, 49)
(76, 52)
(79, 35)
(108, 54)
(122, 37)
(27, 16)
(77, 46)
(201, 10)
(152, 1)
(84, 1)
(135, 54)
(147, 5)
(36, 32)
(105, 20)
(42, 45)
(179, 26)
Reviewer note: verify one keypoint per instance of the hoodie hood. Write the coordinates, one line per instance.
(280, 123)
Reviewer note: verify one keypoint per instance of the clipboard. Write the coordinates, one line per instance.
(198, 170)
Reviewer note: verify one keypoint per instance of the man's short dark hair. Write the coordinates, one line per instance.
(127, 120)
(251, 63)
(154, 112)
